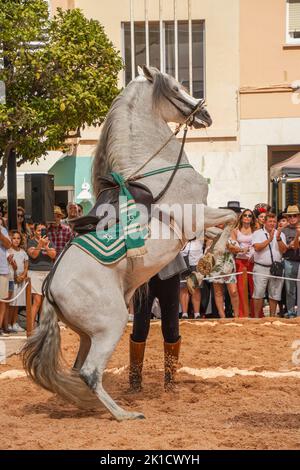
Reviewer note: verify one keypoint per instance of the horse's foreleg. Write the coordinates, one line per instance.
(103, 344)
(214, 217)
(85, 345)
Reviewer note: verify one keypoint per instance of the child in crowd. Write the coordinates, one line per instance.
(18, 260)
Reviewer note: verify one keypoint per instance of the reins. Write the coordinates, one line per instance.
(169, 182)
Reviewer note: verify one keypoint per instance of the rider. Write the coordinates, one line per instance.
(166, 287)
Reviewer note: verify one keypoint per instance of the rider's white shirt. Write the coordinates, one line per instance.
(194, 249)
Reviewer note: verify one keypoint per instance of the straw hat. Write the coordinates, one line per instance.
(292, 210)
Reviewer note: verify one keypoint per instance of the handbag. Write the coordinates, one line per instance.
(177, 266)
(276, 268)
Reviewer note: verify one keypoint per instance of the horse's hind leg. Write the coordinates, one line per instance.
(103, 344)
(85, 345)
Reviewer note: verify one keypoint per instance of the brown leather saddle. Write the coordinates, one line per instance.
(109, 194)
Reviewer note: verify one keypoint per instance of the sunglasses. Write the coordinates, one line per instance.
(249, 216)
(21, 215)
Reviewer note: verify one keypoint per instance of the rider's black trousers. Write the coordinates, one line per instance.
(167, 292)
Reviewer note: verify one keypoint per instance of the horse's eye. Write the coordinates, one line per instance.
(176, 88)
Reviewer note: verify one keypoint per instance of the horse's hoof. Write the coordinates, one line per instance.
(130, 416)
(206, 264)
(138, 415)
(191, 283)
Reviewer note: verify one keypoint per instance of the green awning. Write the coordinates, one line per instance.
(72, 171)
(64, 171)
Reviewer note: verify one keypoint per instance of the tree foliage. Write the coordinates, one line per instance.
(60, 74)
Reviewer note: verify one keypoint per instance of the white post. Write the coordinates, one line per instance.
(147, 34)
(162, 61)
(176, 39)
(283, 194)
(132, 40)
(190, 47)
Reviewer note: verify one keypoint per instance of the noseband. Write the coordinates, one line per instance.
(190, 116)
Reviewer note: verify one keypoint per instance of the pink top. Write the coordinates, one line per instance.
(245, 241)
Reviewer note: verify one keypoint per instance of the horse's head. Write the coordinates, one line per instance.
(172, 101)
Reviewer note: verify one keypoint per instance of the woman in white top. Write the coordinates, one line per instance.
(192, 252)
(244, 252)
(18, 260)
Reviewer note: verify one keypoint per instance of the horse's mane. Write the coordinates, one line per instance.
(102, 163)
(161, 88)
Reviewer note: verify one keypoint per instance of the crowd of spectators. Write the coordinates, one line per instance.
(259, 239)
(29, 252)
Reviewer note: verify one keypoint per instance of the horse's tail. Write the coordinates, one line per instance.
(42, 362)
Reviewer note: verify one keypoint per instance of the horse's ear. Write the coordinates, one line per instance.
(147, 73)
(140, 71)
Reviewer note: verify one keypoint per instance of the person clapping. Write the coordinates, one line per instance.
(41, 254)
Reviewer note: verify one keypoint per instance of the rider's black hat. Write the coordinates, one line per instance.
(234, 206)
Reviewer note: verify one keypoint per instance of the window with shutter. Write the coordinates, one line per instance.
(183, 68)
(293, 21)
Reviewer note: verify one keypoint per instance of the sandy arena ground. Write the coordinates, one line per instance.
(208, 411)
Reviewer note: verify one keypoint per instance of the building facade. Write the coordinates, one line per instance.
(242, 56)
(269, 94)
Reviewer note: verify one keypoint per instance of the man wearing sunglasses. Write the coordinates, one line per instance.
(269, 244)
(291, 258)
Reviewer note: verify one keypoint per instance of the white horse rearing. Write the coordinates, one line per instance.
(92, 298)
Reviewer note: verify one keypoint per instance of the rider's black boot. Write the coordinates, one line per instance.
(171, 361)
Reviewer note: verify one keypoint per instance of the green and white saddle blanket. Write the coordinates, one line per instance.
(125, 238)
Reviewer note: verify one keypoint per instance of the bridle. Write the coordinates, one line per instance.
(188, 122)
(191, 115)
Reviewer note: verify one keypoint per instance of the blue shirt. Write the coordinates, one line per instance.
(4, 269)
